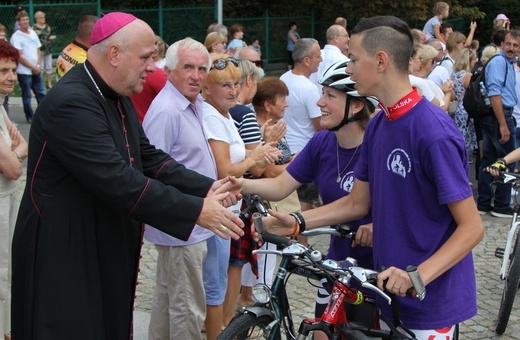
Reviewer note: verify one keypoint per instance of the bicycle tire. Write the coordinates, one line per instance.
(247, 326)
(511, 282)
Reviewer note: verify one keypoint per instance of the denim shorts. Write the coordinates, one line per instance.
(215, 270)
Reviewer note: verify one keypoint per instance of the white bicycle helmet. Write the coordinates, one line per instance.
(336, 77)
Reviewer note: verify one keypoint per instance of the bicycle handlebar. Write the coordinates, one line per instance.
(266, 236)
(507, 177)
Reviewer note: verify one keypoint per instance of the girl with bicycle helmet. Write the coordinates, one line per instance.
(329, 159)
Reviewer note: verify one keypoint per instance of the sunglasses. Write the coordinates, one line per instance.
(258, 63)
(221, 64)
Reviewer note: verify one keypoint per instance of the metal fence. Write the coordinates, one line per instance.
(176, 23)
(170, 23)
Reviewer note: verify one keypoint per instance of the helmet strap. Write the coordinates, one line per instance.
(346, 119)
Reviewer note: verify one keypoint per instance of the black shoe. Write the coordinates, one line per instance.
(29, 120)
(506, 212)
(482, 210)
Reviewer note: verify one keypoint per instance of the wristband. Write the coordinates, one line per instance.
(501, 160)
(299, 220)
(296, 229)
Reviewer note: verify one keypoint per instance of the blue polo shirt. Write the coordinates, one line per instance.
(495, 73)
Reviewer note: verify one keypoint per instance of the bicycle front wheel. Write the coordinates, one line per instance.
(248, 326)
(511, 282)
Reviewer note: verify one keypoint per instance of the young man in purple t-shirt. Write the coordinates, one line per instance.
(413, 172)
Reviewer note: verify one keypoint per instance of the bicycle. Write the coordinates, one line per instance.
(510, 255)
(271, 314)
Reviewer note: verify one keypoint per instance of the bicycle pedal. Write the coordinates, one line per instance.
(499, 252)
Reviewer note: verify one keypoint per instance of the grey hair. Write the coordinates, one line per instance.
(172, 54)
(303, 48)
(247, 67)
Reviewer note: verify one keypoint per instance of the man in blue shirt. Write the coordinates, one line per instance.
(499, 129)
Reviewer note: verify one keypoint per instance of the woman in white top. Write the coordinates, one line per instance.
(13, 149)
(220, 92)
(444, 93)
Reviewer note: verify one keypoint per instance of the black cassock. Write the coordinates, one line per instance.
(78, 235)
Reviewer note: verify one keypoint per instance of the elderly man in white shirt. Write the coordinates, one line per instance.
(333, 51)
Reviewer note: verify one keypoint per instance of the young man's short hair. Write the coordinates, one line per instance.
(389, 34)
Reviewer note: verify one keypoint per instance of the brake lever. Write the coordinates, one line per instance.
(360, 275)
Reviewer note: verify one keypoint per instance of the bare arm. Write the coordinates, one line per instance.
(272, 189)
(11, 158)
(345, 209)
(10, 166)
(468, 234)
(498, 109)
(273, 170)
(257, 157)
(256, 171)
(469, 39)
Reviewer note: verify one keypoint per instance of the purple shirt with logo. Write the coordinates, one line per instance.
(415, 166)
(318, 162)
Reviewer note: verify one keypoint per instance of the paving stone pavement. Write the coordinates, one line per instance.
(487, 266)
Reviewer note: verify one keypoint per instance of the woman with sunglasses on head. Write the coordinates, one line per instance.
(13, 149)
(329, 159)
(220, 92)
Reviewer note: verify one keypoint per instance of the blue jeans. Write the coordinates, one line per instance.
(492, 149)
(27, 83)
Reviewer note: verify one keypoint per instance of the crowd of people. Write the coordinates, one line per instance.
(138, 139)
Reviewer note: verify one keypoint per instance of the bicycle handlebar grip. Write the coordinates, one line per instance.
(257, 202)
(410, 292)
(266, 236)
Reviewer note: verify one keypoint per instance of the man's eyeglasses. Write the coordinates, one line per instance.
(221, 63)
(258, 63)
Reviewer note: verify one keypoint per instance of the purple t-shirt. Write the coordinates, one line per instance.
(415, 166)
(318, 162)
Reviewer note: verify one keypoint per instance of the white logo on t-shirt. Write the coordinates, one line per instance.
(399, 162)
(347, 182)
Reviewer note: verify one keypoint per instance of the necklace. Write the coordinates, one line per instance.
(337, 159)
(120, 111)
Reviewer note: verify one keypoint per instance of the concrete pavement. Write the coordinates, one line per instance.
(490, 287)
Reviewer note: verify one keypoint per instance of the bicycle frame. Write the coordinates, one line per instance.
(509, 243)
(512, 231)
